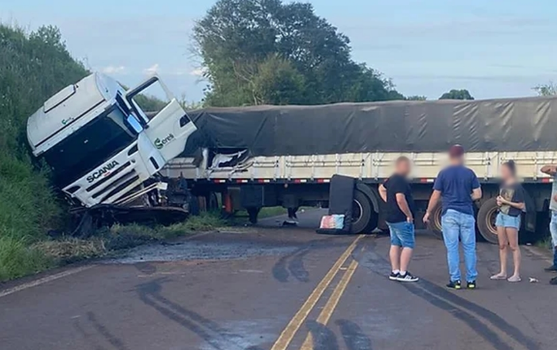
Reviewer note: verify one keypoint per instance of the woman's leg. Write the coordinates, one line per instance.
(503, 244)
(512, 236)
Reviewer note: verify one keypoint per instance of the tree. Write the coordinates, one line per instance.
(457, 95)
(278, 83)
(416, 98)
(549, 89)
(238, 40)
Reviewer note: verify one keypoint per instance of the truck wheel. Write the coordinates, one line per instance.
(362, 211)
(253, 212)
(212, 202)
(434, 225)
(486, 220)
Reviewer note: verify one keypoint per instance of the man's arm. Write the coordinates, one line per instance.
(435, 196)
(383, 193)
(549, 169)
(477, 194)
(403, 205)
(476, 189)
(433, 201)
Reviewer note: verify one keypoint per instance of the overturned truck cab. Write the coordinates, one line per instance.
(105, 152)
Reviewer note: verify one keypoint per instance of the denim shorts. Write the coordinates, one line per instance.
(402, 234)
(504, 220)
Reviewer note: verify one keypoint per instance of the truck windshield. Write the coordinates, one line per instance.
(90, 146)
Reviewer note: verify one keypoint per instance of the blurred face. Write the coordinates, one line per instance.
(456, 159)
(403, 167)
(506, 173)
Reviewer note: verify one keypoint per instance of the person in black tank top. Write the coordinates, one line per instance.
(396, 192)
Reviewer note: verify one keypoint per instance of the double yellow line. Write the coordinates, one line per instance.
(295, 323)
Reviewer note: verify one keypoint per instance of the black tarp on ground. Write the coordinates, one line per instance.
(526, 124)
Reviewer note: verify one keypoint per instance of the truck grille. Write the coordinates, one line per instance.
(107, 178)
(117, 186)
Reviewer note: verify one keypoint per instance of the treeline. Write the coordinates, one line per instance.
(33, 67)
(269, 52)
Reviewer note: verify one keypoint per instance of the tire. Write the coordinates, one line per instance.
(212, 202)
(486, 220)
(434, 225)
(362, 210)
(253, 212)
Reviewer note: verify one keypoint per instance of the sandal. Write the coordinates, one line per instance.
(514, 279)
(498, 277)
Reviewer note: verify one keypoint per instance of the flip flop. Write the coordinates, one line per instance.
(498, 277)
(514, 279)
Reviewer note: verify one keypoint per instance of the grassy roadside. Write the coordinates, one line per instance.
(545, 244)
(20, 258)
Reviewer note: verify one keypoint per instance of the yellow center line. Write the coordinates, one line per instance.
(332, 303)
(288, 333)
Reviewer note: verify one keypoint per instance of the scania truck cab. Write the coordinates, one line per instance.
(103, 149)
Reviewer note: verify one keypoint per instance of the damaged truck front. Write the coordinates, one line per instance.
(105, 152)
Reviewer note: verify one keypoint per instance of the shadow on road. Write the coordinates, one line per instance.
(325, 339)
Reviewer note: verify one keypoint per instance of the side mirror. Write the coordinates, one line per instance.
(132, 121)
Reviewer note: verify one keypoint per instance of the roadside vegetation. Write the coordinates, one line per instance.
(33, 67)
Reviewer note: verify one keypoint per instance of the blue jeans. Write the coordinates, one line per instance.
(459, 225)
(402, 234)
(553, 230)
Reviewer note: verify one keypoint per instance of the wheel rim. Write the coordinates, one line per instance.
(490, 219)
(356, 211)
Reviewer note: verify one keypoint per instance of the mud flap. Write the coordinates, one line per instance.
(341, 197)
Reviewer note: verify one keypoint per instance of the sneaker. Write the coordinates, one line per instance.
(553, 281)
(471, 285)
(394, 276)
(551, 268)
(407, 278)
(454, 285)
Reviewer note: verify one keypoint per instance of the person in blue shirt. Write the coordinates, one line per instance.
(458, 187)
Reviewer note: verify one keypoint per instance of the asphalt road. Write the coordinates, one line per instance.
(277, 288)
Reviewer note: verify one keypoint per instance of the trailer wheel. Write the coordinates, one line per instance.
(362, 211)
(434, 225)
(253, 212)
(212, 202)
(486, 220)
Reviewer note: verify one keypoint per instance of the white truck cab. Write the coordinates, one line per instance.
(101, 146)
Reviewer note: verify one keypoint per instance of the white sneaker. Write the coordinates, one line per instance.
(407, 278)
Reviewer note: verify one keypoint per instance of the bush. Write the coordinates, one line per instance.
(33, 67)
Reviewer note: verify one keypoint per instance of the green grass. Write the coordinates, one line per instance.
(272, 211)
(545, 243)
(18, 258)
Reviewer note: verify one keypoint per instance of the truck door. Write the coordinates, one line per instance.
(168, 129)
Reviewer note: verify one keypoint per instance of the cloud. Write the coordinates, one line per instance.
(154, 69)
(113, 69)
(198, 72)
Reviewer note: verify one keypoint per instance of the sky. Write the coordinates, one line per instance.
(493, 48)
